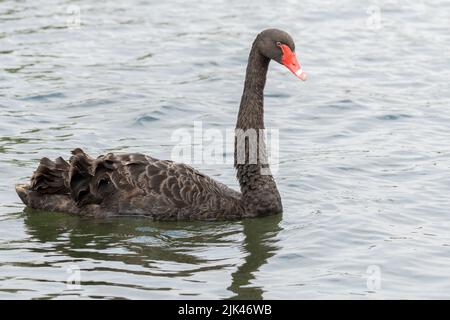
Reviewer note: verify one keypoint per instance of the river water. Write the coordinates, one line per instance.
(363, 165)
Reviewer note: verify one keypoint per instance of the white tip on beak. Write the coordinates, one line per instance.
(301, 74)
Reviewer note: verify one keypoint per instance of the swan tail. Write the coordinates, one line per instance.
(22, 191)
(48, 187)
(59, 184)
(49, 178)
(87, 177)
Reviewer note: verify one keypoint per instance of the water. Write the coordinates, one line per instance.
(364, 157)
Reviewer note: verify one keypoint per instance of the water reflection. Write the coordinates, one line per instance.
(143, 248)
(260, 245)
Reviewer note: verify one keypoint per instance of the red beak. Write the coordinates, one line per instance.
(290, 61)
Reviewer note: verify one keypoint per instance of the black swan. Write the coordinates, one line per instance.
(137, 184)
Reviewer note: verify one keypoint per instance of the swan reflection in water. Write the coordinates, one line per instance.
(186, 254)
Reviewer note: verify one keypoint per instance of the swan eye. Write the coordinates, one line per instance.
(278, 44)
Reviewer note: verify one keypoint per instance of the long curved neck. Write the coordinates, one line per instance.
(259, 191)
(251, 110)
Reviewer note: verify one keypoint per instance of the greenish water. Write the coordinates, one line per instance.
(364, 157)
(137, 257)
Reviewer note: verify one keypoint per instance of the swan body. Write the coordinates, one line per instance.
(129, 184)
(137, 184)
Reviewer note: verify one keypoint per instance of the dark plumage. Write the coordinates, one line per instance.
(136, 184)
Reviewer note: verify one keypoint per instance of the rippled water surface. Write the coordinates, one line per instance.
(364, 156)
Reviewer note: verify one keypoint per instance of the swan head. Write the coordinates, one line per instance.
(278, 45)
